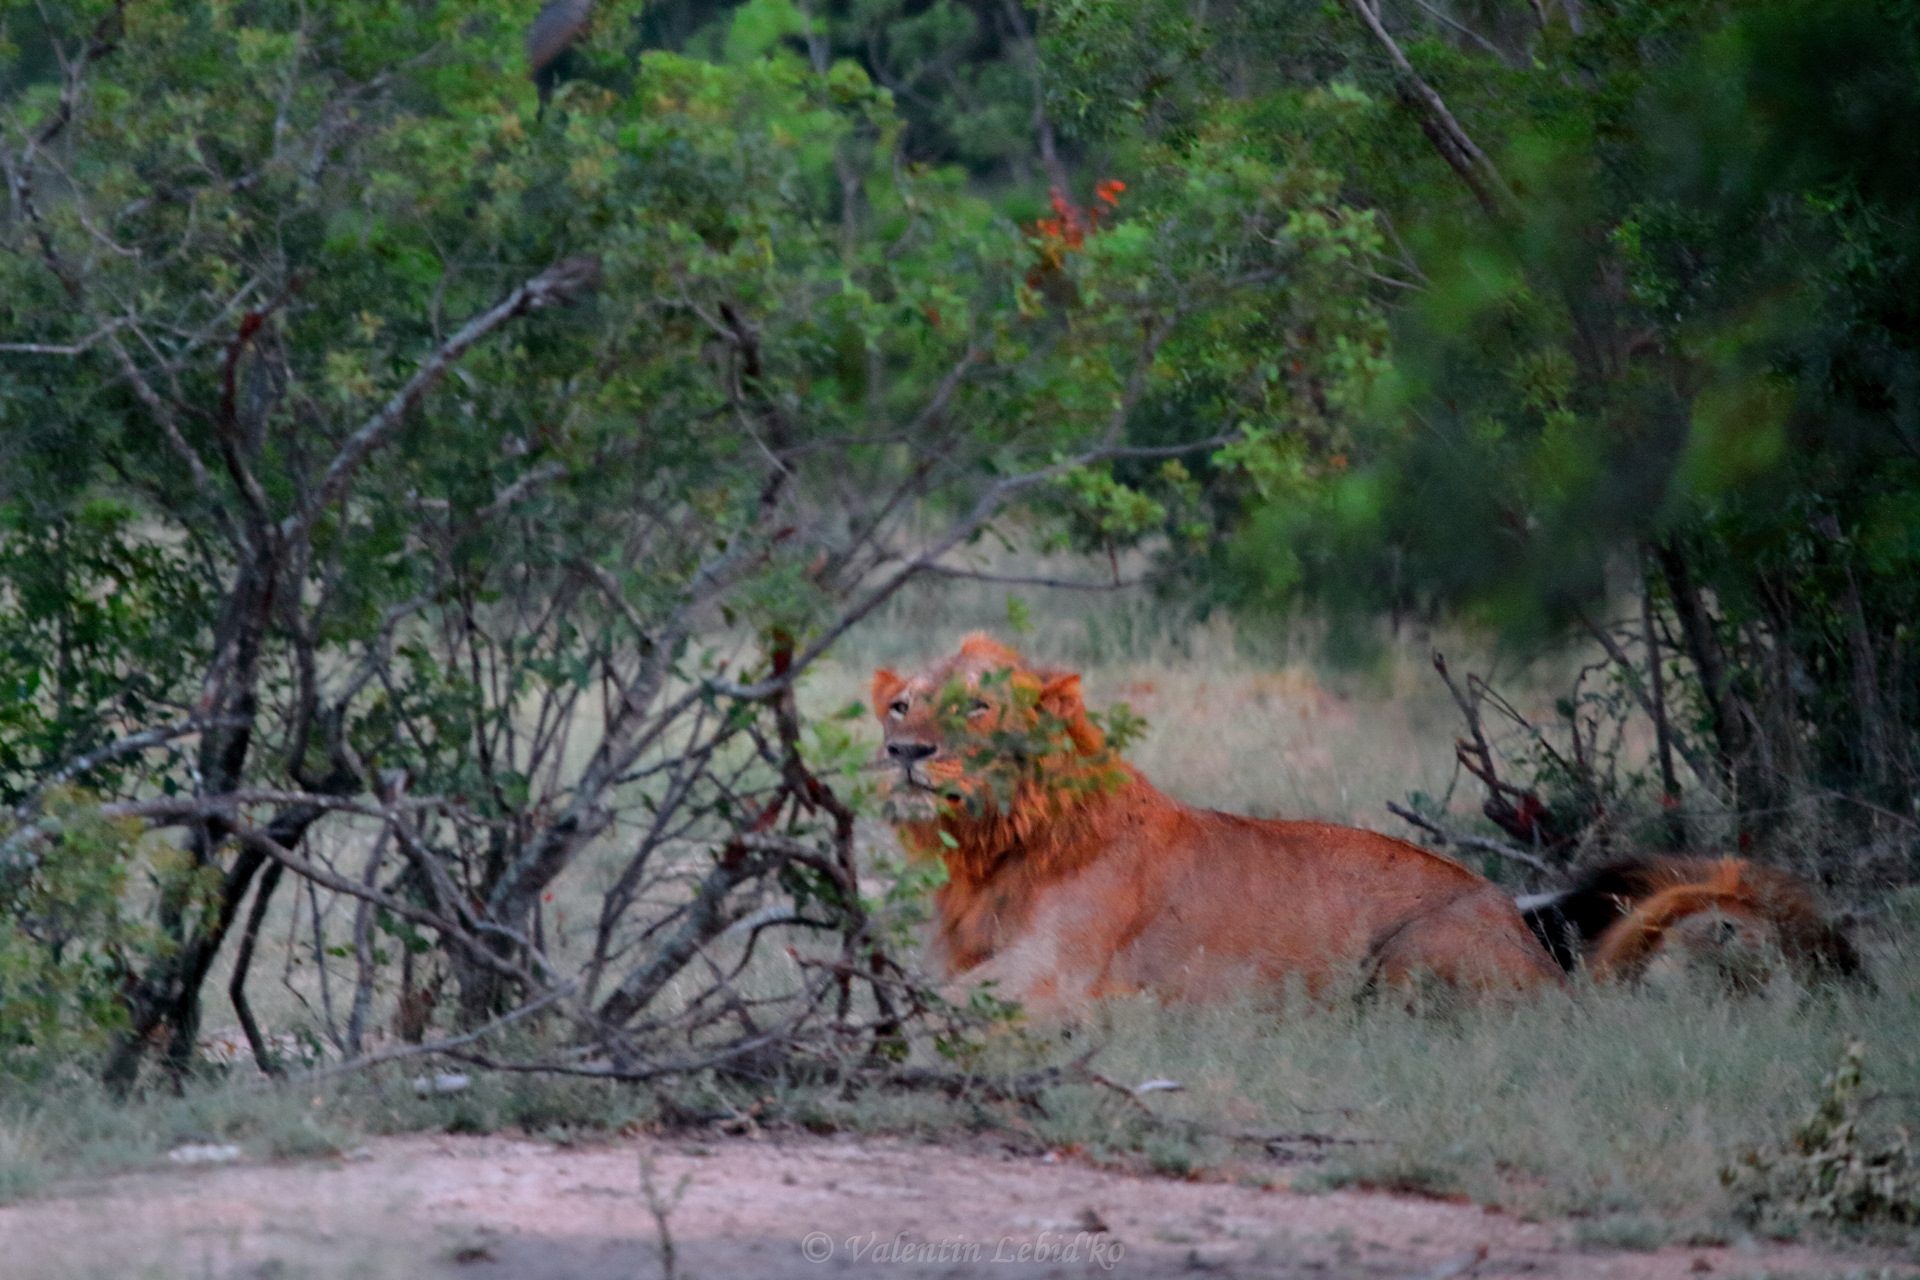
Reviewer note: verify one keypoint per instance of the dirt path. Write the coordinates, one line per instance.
(783, 1208)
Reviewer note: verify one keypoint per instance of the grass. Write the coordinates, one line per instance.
(74, 1128)
(1602, 1103)
(1616, 1107)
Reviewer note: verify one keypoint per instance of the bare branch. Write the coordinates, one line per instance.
(559, 284)
(227, 802)
(500, 1023)
(254, 838)
(651, 1071)
(1484, 844)
(1691, 754)
(19, 172)
(983, 510)
(1028, 580)
(1463, 29)
(706, 920)
(133, 742)
(163, 414)
(79, 348)
(1057, 177)
(1448, 138)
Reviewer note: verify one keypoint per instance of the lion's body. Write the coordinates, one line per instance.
(1066, 893)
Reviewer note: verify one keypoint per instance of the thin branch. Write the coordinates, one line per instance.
(1453, 143)
(1691, 754)
(653, 1071)
(1024, 580)
(432, 1046)
(1057, 176)
(254, 838)
(163, 414)
(263, 1055)
(133, 742)
(1464, 30)
(227, 802)
(103, 41)
(1482, 843)
(79, 348)
(559, 284)
(983, 511)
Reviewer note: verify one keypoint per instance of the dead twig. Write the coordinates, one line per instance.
(662, 1207)
(445, 1046)
(1484, 844)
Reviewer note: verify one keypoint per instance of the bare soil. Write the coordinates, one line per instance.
(786, 1207)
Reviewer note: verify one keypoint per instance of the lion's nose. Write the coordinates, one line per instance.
(910, 752)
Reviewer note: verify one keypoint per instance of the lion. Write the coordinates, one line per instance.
(1071, 878)
(1733, 918)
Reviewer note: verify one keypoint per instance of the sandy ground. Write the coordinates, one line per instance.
(784, 1208)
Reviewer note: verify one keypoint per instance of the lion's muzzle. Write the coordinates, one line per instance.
(908, 754)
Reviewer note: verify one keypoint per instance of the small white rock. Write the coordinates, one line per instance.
(1160, 1086)
(203, 1153)
(445, 1082)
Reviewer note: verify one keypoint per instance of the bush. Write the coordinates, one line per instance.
(1827, 1171)
(67, 937)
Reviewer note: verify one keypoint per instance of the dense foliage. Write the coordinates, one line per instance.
(1650, 287)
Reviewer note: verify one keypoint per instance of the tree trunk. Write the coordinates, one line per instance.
(1732, 720)
(1662, 730)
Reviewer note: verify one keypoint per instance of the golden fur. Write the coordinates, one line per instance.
(1070, 877)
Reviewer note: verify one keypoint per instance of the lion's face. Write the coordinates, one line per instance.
(1726, 945)
(977, 713)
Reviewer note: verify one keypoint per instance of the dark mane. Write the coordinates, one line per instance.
(1572, 922)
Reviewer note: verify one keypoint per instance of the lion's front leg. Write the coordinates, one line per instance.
(1030, 973)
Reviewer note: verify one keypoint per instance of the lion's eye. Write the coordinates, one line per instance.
(899, 707)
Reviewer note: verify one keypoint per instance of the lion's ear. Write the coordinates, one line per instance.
(1060, 697)
(886, 683)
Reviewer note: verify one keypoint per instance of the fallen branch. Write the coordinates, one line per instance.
(432, 1046)
(631, 1074)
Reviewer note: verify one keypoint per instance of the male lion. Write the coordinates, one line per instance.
(1727, 917)
(1070, 877)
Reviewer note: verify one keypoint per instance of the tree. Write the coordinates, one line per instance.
(1650, 294)
(468, 479)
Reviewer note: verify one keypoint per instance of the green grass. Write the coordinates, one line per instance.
(1602, 1103)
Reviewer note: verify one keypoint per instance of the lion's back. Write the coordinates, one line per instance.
(1197, 904)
